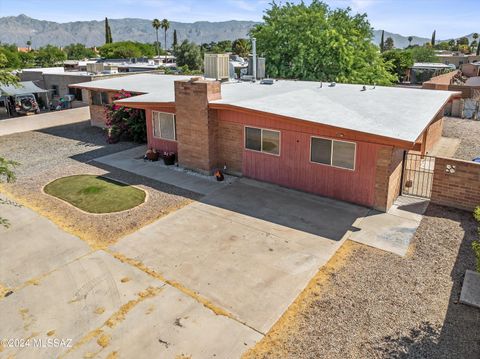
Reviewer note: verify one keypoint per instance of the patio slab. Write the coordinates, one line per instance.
(132, 161)
(470, 294)
(394, 230)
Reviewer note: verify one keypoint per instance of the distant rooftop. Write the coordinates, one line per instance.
(384, 111)
(430, 65)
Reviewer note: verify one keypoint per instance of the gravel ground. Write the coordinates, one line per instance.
(39, 151)
(468, 131)
(367, 303)
(63, 151)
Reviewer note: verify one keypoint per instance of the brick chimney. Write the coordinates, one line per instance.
(195, 128)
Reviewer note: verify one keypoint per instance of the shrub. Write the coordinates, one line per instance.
(476, 244)
(125, 123)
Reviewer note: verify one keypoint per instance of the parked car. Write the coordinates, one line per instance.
(25, 104)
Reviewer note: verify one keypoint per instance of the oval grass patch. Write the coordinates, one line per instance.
(96, 194)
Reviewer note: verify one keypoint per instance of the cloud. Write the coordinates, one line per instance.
(361, 5)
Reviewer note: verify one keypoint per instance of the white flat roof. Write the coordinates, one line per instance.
(160, 85)
(393, 112)
(399, 113)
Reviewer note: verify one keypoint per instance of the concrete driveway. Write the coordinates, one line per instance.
(249, 249)
(44, 120)
(206, 281)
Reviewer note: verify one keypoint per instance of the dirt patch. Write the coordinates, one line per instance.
(367, 303)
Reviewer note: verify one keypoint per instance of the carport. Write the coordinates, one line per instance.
(23, 88)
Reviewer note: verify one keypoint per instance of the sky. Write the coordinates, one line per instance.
(451, 18)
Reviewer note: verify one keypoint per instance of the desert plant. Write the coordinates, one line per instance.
(6, 174)
(125, 123)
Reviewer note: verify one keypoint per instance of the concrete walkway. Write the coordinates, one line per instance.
(44, 120)
(132, 161)
(394, 230)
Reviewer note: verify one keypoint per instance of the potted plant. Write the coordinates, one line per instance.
(169, 158)
(152, 155)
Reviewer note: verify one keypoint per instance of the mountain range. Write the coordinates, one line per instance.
(19, 29)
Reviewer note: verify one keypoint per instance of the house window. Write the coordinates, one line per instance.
(54, 90)
(99, 98)
(163, 125)
(262, 140)
(333, 153)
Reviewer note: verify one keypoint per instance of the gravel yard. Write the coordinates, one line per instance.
(367, 303)
(69, 150)
(468, 131)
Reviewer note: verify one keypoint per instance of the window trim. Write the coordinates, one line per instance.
(160, 129)
(261, 140)
(331, 154)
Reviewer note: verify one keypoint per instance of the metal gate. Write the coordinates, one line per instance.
(417, 176)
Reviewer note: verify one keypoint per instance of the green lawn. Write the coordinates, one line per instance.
(95, 194)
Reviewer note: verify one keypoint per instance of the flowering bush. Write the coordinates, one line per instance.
(125, 123)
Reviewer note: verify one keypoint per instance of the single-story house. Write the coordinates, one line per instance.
(342, 141)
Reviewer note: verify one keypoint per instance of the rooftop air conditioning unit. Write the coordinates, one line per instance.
(217, 66)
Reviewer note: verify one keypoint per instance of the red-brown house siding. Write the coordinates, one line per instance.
(293, 169)
(157, 143)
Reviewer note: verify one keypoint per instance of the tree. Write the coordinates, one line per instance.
(451, 43)
(382, 42)
(126, 50)
(462, 41)
(78, 52)
(6, 77)
(175, 40)
(410, 39)
(433, 38)
(108, 33)
(156, 25)
(241, 47)
(423, 54)
(477, 43)
(401, 61)
(165, 25)
(389, 44)
(189, 54)
(29, 45)
(312, 42)
(50, 56)
(12, 55)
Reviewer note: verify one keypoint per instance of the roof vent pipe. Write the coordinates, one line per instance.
(254, 58)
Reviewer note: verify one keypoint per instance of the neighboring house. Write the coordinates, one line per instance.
(340, 141)
(471, 70)
(421, 72)
(456, 58)
(57, 81)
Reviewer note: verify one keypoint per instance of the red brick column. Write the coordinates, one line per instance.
(388, 175)
(196, 128)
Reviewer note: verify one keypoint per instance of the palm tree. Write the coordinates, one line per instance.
(156, 25)
(475, 37)
(410, 39)
(165, 25)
